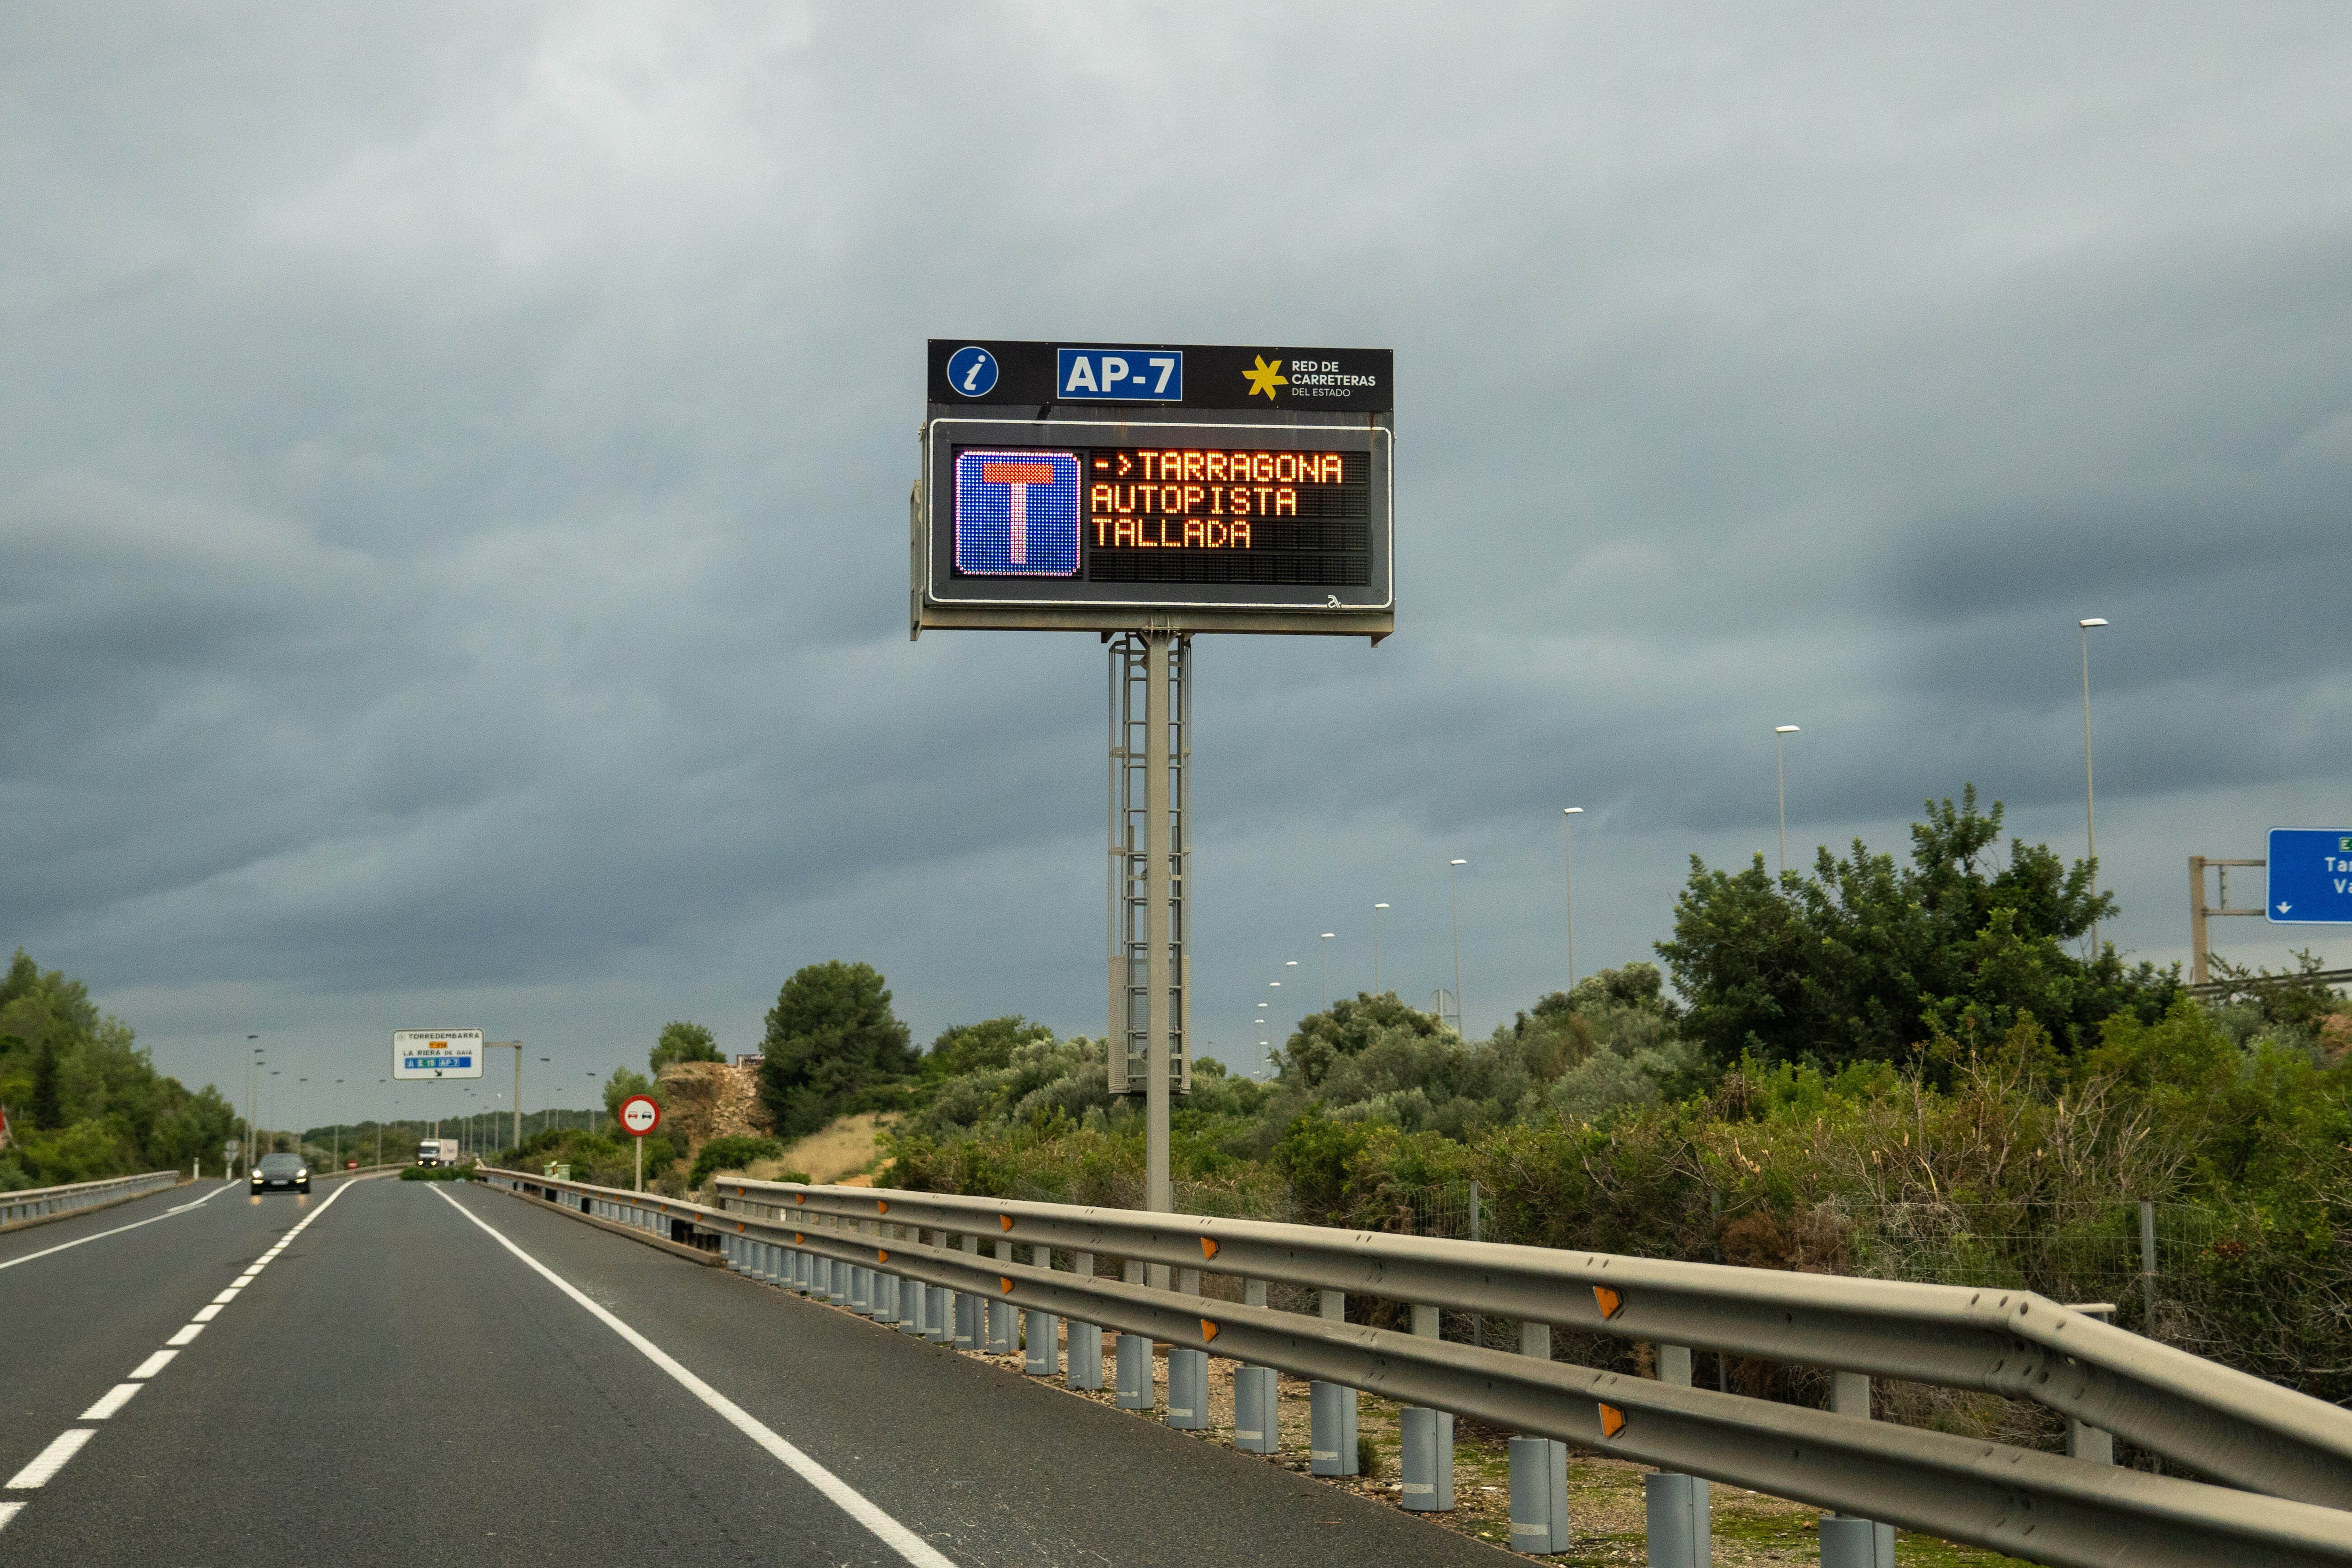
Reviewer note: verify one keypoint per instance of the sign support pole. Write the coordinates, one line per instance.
(1158, 1191)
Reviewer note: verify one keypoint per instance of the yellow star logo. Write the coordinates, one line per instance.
(1265, 378)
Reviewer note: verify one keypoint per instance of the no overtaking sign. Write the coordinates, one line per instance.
(639, 1115)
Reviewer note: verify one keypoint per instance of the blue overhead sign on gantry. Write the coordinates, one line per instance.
(2310, 876)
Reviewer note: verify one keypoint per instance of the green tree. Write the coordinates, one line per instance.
(683, 1041)
(832, 1041)
(1347, 1028)
(1864, 958)
(626, 1083)
(981, 1047)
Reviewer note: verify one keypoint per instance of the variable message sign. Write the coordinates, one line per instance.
(2310, 876)
(1093, 487)
(437, 1053)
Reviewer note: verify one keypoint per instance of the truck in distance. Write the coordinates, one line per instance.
(437, 1152)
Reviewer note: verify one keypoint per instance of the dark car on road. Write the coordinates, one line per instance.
(281, 1170)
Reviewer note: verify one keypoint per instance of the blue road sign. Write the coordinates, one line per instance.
(2310, 876)
(972, 371)
(1119, 375)
(1016, 513)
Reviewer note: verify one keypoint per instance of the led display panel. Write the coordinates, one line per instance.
(1225, 519)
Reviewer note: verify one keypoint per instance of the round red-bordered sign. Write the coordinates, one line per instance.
(639, 1115)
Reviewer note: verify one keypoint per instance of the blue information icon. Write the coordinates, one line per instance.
(972, 371)
(1016, 513)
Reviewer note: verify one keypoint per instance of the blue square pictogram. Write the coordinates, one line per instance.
(1016, 513)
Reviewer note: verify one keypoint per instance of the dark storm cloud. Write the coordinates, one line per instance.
(453, 473)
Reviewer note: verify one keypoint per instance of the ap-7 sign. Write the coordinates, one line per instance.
(2310, 876)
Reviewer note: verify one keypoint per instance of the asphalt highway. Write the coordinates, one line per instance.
(431, 1373)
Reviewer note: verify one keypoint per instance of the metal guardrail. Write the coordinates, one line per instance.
(50, 1202)
(2280, 1463)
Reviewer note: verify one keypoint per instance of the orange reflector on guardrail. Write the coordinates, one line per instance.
(1610, 1302)
(1006, 1283)
(798, 1237)
(880, 1206)
(1005, 1221)
(1209, 1331)
(1612, 1420)
(800, 1197)
(1208, 1249)
(739, 1228)
(881, 1256)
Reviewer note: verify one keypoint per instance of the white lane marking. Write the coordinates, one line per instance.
(225, 1297)
(152, 1220)
(186, 1335)
(204, 1201)
(51, 1459)
(7, 1512)
(844, 1496)
(153, 1364)
(113, 1399)
(208, 1311)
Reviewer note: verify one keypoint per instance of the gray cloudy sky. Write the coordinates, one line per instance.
(453, 466)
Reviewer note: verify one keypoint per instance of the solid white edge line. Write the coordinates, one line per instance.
(113, 1399)
(844, 1496)
(51, 1459)
(67, 1246)
(153, 1364)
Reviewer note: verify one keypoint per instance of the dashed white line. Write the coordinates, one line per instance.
(113, 1399)
(51, 1459)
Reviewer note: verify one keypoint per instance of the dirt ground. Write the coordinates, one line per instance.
(1606, 1495)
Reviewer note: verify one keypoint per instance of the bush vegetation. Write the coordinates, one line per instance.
(1916, 1069)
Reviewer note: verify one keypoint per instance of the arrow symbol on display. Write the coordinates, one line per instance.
(2284, 907)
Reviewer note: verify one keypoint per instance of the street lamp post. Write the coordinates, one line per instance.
(252, 1093)
(1568, 885)
(1780, 765)
(1453, 887)
(2090, 815)
(1375, 948)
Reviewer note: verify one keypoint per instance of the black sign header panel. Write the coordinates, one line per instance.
(985, 372)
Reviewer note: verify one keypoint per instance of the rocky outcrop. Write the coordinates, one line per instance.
(709, 1100)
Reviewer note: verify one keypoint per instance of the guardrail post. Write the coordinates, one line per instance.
(1848, 1542)
(2090, 1444)
(842, 1277)
(914, 1296)
(1255, 1400)
(1188, 1371)
(1135, 1389)
(1004, 1336)
(1043, 1333)
(1331, 1411)
(1681, 1535)
(1427, 1456)
(1084, 1363)
(1540, 1523)
(971, 1333)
